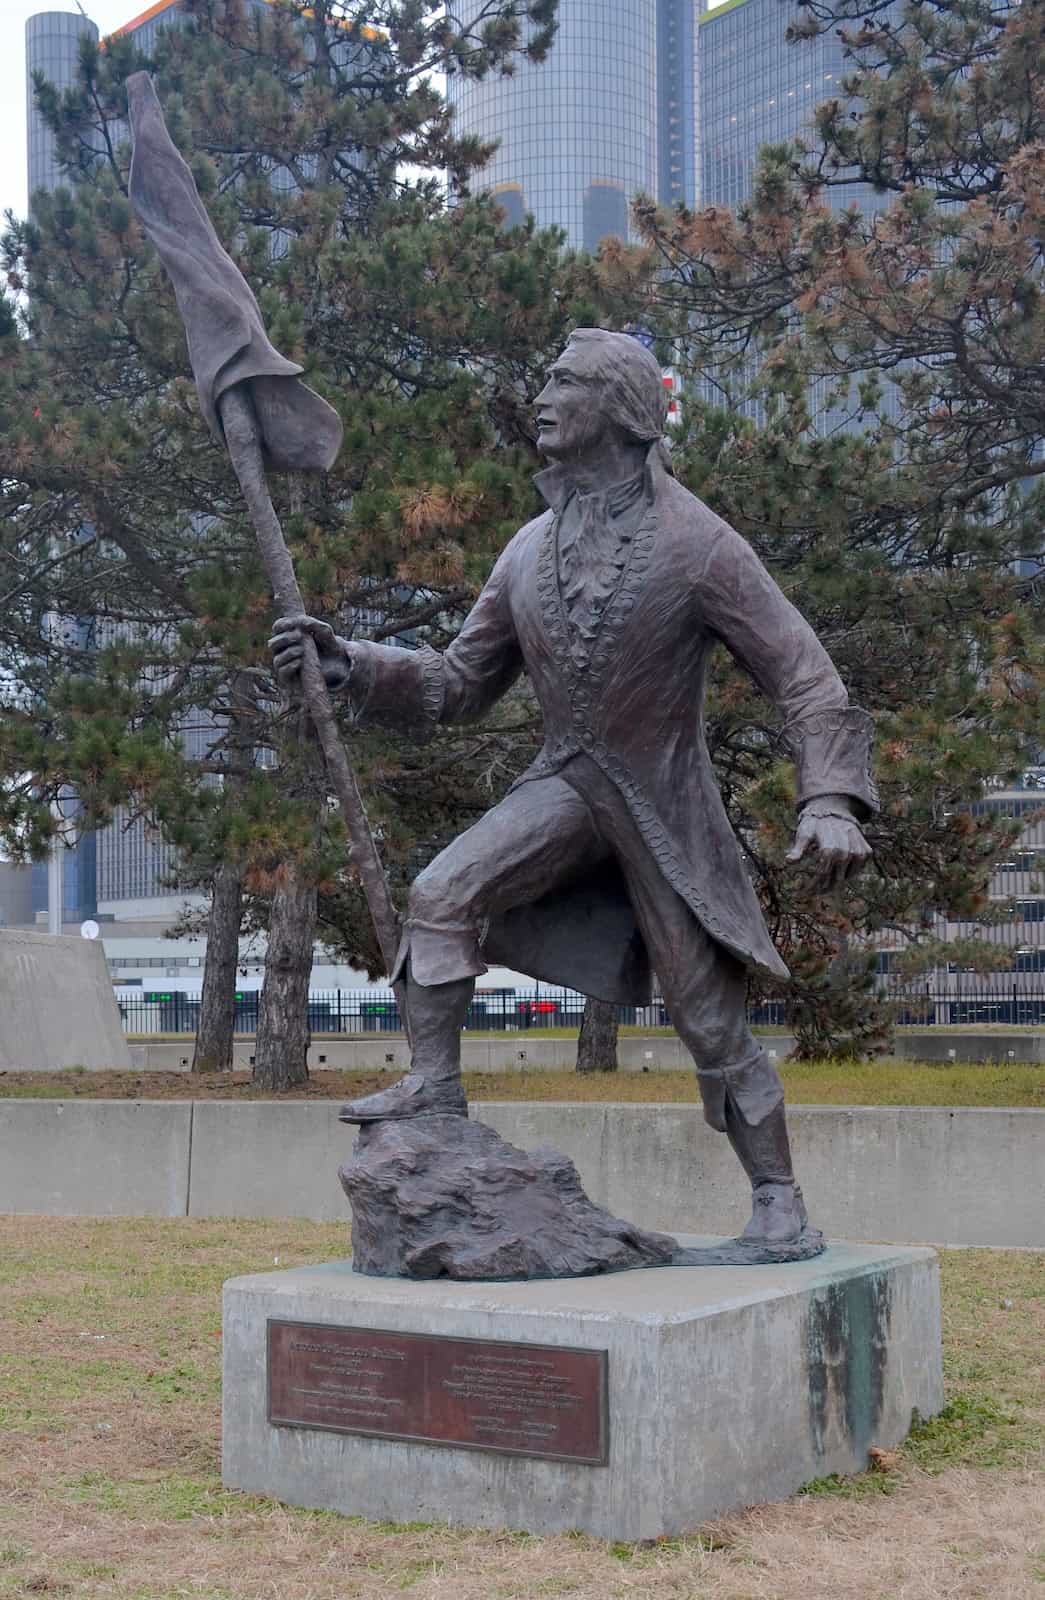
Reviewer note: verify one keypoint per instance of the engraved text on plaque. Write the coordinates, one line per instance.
(478, 1394)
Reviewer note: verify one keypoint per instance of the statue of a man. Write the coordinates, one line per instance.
(612, 855)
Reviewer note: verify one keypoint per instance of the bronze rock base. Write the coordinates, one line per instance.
(445, 1197)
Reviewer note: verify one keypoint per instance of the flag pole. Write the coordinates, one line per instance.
(257, 407)
(243, 439)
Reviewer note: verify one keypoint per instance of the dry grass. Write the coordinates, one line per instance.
(109, 1482)
(881, 1082)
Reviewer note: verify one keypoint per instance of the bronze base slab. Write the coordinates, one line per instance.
(751, 1252)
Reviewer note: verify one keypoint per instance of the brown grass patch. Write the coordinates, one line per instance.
(109, 1484)
(959, 1536)
(880, 1082)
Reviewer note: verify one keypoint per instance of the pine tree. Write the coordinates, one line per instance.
(903, 515)
(426, 324)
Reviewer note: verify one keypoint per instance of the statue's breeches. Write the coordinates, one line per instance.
(558, 831)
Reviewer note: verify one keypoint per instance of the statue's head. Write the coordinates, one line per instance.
(605, 389)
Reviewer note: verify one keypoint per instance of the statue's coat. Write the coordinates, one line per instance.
(636, 708)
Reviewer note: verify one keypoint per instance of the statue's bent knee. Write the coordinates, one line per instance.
(439, 937)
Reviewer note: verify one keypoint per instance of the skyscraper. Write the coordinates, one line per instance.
(677, 123)
(608, 114)
(52, 47)
(757, 89)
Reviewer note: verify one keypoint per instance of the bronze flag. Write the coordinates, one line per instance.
(227, 340)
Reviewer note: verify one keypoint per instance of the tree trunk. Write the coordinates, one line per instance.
(597, 1045)
(218, 1006)
(281, 1051)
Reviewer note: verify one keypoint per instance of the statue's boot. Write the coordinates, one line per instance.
(778, 1214)
(432, 1087)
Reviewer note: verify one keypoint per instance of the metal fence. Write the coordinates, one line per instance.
(362, 1011)
(966, 999)
(969, 997)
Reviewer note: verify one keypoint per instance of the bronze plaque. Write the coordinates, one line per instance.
(477, 1394)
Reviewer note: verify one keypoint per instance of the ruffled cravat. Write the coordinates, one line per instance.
(594, 540)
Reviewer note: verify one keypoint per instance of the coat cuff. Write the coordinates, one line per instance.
(397, 688)
(832, 755)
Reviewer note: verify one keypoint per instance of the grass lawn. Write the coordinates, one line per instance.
(109, 1455)
(886, 1081)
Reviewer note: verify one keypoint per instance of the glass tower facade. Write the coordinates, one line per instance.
(757, 89)
(677, 125)
(52, 47)
(609, 113)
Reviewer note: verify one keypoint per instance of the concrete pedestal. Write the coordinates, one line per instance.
(726, 1386)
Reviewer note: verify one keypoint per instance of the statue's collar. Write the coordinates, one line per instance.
(556, 483)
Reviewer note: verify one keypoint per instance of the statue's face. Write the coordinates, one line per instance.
(571, 417)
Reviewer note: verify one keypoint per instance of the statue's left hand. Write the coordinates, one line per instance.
(828, 827)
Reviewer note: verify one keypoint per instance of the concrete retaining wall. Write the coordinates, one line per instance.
(57, 1007)
(916, 1175)
(97, 1158)
(515, 1052)
(528, 1052)
(912, 1175)
(939, 1044)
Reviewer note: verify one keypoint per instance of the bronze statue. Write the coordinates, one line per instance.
(612, 856)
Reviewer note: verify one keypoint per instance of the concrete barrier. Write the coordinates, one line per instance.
(522, 1052)
(940, 1044)
(57, 1007)
(341, 1055)
(268, 1159)
(911, 1174)
(97, 1158)
(914, 1175)
(529, 1052)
